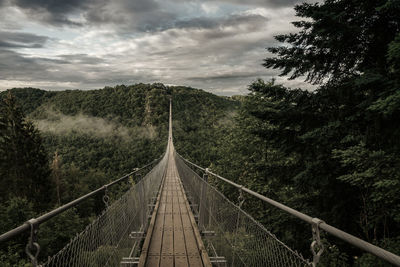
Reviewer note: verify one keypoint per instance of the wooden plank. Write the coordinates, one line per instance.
(175, 239)
(145, 247)
(180, 255)
(181, 261)
(168, 237)
(204, 259)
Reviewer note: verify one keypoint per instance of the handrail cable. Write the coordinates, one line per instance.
(366, 246)
(45, 217)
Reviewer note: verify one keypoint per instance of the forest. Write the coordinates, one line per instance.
(332, 153)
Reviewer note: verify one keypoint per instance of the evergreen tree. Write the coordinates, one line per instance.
(339, 39)
(24, 169)
(346, 133)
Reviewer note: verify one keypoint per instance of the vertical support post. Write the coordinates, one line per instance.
(203, 199)
(106, 198)
(143, 202)
(317, 247)
(32, 243)
(236, 231)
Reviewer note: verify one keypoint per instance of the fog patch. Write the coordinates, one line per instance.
(58, 123)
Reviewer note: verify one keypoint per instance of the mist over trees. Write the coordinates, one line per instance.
(333, 153)
(87, 139)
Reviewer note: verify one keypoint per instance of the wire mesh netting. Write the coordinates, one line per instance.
(236, 236)
(107, 239)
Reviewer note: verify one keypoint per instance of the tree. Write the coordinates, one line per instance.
(24, 169)
(56, 174)
(346, 132)
(339, 39)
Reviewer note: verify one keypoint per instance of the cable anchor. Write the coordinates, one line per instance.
(317, 247)
(32, 243)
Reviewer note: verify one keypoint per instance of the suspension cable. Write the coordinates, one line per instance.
(355, 241)
(45, 217)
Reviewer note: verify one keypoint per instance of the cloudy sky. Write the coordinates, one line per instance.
(215, 45)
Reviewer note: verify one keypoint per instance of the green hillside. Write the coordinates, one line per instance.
(90, 138)
(116, 129)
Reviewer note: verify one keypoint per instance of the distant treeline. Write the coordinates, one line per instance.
(57, 146)
(333, 153)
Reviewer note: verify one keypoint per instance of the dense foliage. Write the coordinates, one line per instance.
(88, 138)
(332, 153)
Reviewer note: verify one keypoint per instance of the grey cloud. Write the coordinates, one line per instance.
(80, 70)
(139, 15)
(143, 15)
(81, 59)
(227, 76)
(264, 3)
(14, 66)
(21, 40)
(58, 7)
(211, 23)
(50, 11)
(140, 6)
(217, 28)
(18, 45)
(147, 44)
(17, 66)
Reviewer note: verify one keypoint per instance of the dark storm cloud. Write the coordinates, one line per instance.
(21, 40)
(142, 15)
(50, 11)
(127, 15)
(139, 15)
(57, 7)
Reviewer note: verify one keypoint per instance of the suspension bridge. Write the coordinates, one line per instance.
(172, 216)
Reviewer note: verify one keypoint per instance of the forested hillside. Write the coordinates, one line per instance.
(332, 153)
(84, 139)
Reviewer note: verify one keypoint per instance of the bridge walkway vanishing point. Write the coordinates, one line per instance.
(173, 238)
(161, 191)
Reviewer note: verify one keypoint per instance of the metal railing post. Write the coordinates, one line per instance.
(33, 243)
(202, 200)
(45, 217)
(317, 248)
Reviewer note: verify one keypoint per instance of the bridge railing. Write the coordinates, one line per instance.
(232, 233)
(193, 182)
(107, 238)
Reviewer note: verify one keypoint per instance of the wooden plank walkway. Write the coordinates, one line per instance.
(173, 238)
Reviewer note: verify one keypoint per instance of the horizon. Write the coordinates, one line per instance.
(217, 46)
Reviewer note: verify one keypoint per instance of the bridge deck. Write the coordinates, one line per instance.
(173, 238)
